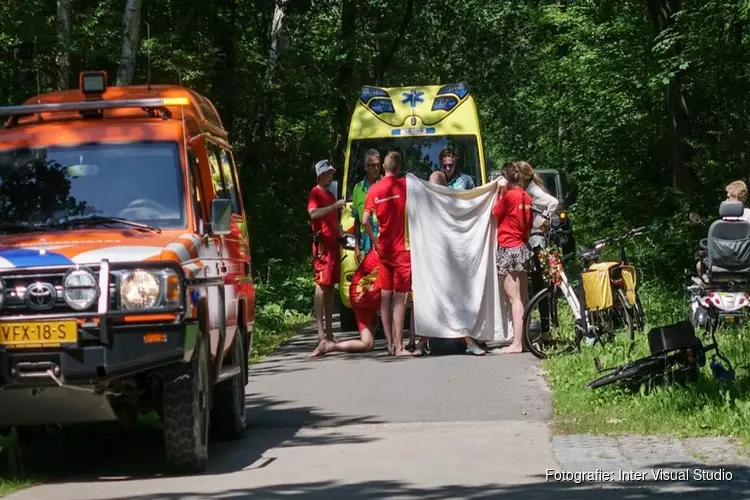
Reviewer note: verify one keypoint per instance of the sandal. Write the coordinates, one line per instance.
(420, 351)
(475, 350)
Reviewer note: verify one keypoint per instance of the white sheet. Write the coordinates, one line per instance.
(453, 238)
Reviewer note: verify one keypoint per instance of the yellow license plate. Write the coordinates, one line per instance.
(38, 334)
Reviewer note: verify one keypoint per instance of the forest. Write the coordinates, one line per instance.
(643, 105)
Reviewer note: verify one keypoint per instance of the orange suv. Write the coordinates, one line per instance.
(125, 278)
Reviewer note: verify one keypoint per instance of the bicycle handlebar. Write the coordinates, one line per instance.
(617, 239)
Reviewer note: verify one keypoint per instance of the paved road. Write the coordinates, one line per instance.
(364, 426)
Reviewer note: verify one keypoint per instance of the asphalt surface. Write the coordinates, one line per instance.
(348, 426)
(371, 426)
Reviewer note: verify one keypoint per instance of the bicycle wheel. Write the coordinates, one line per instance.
(549, 324)
(636, 371)
(619, 316)
(626, 314)
(638, 314)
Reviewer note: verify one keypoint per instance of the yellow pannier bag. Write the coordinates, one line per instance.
(596, 286)
(629, 277)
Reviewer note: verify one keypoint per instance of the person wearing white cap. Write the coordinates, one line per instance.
(324, 219)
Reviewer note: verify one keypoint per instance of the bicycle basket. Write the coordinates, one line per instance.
(666, 338)
(597, 289)
(629, 277)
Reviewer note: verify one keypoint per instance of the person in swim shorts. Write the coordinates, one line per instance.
(323, 209)
(364, 295)
(387, 200)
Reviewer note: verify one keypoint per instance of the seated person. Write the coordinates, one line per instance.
(736, 191)
(365, 299)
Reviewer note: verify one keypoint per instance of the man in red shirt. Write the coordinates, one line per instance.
(387, 200)
(324, 219)
(364, 294)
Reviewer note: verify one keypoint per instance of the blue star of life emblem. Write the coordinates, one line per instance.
(412, 97)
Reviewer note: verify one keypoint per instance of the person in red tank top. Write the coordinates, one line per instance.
(387, 200)
(514, 217)
(324, 219)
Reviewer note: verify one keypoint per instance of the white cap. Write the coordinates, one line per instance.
(322, 167)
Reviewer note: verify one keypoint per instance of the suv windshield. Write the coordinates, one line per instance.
(419, 156)
(138, 181)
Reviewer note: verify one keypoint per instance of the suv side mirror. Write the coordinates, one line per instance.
(221, 216)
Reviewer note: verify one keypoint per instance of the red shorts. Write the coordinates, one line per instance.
(327, 266)
(366, 307)
(394, 272)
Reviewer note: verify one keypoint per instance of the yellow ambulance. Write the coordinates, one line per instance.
(418, 122)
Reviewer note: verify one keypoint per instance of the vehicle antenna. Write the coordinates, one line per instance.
(36, 67)
(148, 58)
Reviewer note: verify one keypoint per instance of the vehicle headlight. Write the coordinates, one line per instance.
(141, 289)
(80, 289)
(2, 293)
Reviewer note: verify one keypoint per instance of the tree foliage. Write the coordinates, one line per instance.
(642, 104)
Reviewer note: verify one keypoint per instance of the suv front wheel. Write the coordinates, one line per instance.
(185, 414)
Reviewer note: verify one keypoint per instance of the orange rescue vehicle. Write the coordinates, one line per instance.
(125, 277)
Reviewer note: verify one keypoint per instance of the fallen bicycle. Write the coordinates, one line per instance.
(677, 354)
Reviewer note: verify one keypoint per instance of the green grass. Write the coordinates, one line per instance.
(705, 408)
(13, 477)
(285, 302)
(8, 486)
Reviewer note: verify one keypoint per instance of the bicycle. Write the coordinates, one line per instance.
(623, 273)
(676, 353)
(609, 293)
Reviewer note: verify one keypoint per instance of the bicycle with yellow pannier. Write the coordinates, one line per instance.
(561, 316)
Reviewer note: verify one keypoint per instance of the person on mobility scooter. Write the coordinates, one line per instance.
(721, 291)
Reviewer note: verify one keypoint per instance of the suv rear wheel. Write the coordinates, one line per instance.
(185, 415)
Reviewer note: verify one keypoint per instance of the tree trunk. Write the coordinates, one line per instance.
(345, 78)
(131, 23)
(662, 16)
(387, 57)
(264, 110)
(63, 43)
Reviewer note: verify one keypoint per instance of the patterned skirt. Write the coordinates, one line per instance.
(514, 260)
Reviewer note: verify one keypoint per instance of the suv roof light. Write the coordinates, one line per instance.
(93, 83)
(147, 103)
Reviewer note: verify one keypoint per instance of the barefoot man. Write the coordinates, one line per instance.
(324, 219)
(387, 200)
(365, 298)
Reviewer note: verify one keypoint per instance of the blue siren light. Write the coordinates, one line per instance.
(445, 103)
(368, 93)
(382, 106)
(460, 89)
